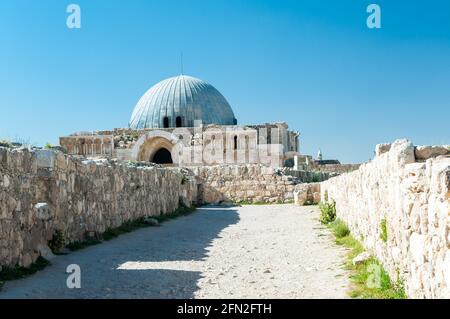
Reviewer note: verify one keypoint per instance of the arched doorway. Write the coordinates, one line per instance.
(162, 156)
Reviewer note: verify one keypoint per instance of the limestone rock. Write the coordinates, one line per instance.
(45, 252)
(402, 151)
(45, 158)
(414, 200)
(382, 148)
(417, 246)
(42, 211)
(423, 153)
(361, 258)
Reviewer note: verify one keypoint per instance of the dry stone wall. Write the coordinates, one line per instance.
(252, 183)
(408, 189)
(43, 191)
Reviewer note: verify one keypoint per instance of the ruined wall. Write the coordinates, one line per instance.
(411, 192)
(334, 168)
(250, 183)
(307, 176)
(43, 191)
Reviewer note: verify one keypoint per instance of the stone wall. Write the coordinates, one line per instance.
(409, 188)
(335, 168)
(249, 183)
(307, 176)
(307, 194)
(44, 191)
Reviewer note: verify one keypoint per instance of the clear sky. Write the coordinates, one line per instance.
(314, 64)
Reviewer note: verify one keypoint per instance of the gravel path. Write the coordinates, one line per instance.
(274, 251)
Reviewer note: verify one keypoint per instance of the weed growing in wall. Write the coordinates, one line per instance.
(369, 278)
(57, 242)
(339, 228)
(383, 227)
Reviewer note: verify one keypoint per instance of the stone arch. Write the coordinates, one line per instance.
(150, 143)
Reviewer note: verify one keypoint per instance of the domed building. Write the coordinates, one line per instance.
(178, 102)
(185, 121)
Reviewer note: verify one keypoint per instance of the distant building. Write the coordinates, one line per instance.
(185, 121)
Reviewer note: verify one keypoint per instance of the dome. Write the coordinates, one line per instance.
(178, 101)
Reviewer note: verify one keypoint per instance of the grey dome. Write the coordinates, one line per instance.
(178, 101)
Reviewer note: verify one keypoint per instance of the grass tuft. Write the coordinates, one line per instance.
(383, 227)
(339, 228)
(14, 273)
(369, 278)
(77, 245)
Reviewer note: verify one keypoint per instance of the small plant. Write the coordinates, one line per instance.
(383, 227)
(339, 228)
(57, 242)
(316, 177)
(184, 180)
(77, 245)
(13, 273)
(48, 146)
(126, 227)
(327, 212)
(129, 226)
(369, 278)
(5, 143)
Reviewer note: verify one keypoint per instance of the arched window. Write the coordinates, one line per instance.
(179, 121)
(235, 143)
(166, 122)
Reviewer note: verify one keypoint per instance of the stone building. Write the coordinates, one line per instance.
(184, 121)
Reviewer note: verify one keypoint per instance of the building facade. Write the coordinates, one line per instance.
(185, 121)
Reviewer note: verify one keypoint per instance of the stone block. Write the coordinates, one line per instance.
(423, 153)
(44, 158)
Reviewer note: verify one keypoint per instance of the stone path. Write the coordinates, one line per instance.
(274, 251)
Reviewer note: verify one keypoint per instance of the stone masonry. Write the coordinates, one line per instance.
(408, 189)
(42, 191)
(250, 183)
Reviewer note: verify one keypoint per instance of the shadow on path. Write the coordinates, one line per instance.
(165, 251)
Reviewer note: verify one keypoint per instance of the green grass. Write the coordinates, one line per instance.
(14, 273)
(126, 227)
(57, 242)
(130, 226)
(77, 245)
(339, 228)
(383, 226)
(8, 273)
(180, 211)
(362, 275)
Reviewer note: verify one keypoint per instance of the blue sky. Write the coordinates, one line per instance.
(314, 64)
